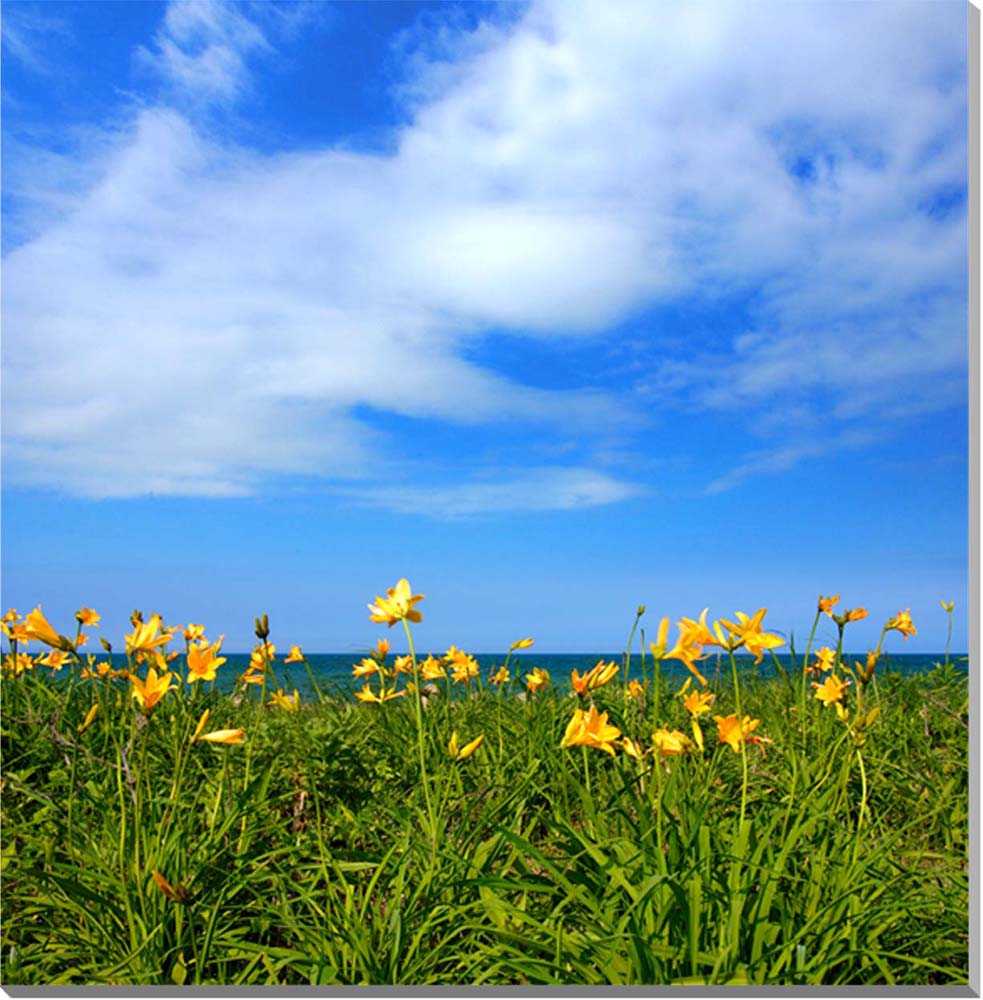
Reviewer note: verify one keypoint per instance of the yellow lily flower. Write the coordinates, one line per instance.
(367, 694)
(591, 729)
(37, 627)
(669, 742)
(200, 728)
(635, 689)
(397, 605)
(16, 665)
(596, 677)
(432, 669)
(11, 616)
(55, 659)
(633, 749)
(732, 732)
(826, 604)
(658, 648)
(145, 638)
(366, 668)
(193, 633)
(290, 703)
(825, 660)
(88, 719)
(831, 690)
(500, 676)
(296, 655)
(521, 644)
(203, 661)
(698, 702)
(901, 622)
(537, 680)
(17, 632)
(150, 691)
(87, 617)
(747, 632)
(231, 736)
(461, 753)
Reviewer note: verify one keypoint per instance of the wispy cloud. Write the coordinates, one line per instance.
(26, 34)
(514, 492)
(222, 314)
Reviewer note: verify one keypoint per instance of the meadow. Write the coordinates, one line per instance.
(453, 825)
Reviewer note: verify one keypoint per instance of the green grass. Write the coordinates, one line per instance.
(310, 854)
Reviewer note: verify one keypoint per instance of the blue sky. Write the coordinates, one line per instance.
(554, 309)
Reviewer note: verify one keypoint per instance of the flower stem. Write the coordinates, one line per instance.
(418, 701)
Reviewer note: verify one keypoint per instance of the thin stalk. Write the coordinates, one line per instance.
(418, 702)
(740, 723)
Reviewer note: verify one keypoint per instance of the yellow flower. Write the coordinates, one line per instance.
(596, 677)
(693, 636)
(825, 660)
(367, 694)
(37, 627)
(698, 702)
(381, 650)
(403, 665)
(460, 753)
(11, 616)
(866, 672)
(224, 736)
(366, 668)
(150, 691)
(200, 728)
(660, 645)
(16, 632)
(901, 622)
(397, 605)
(591, 729)
(55, 659)
(295, 655)
(521, 644)
(500, 676)
(946, 605)
(194, 632)
(826, 604)
(144, 637)
(203, 661)
(747, 632)
(668, 742)
(290, 703)
(261, 655)
(432, 669)
(635, 689)
(537, 680)
(16, 665)
(633, 749)
(88, 719)
(731, 732)
(463, 665)
(856, 615)
(87, 617)
(832, 689)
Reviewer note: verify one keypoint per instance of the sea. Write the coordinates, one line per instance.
(333, 671)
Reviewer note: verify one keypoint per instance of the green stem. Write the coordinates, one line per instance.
(740, 724)
(418, 702)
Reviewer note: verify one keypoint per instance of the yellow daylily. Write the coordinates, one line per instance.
(296, 655)
(367, 694)
(698, 702)
(55, 659)
(11, 616)
(37, 627)
(366, 668)
(669, 742)
(230, 736)
(825, 660)
(732, 732)
(432, 669)
(203, 661)
(592, 679)
(88, 719)
(659, 647)
(17, 665)
(460, 753)
(521, 644)
(87, 617)
(500, 676)
(145, 637)
(397, 605)
(290, 703)
(831, 690)
(591, 729)
(747, 632)
(150, 691)
(16, 632)
(901, 622)
(826, 604)
(635, 689)
(537, 680)
(633, 749)
(192, 633)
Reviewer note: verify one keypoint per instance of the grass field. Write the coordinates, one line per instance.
(465, 829)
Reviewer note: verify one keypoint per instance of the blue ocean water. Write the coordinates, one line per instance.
(333, 671)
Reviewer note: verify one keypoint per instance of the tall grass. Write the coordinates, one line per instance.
(344, 845)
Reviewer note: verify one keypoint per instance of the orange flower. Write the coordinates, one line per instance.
(150, 691)
(826, 604)
(296, 655)
(591, 729)
(901, 622)
(732, 732)
(831, 690)
(203, 661)
(87, 617)
(37, 627)
(537, 680)
(698, 702)
(500, 676)
(592, 679)
(397, 605)
(224, 736)
(144, 637)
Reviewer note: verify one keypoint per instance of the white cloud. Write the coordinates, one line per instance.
(515, 492)
(203, 316)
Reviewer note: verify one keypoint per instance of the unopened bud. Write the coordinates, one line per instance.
(263, 627)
